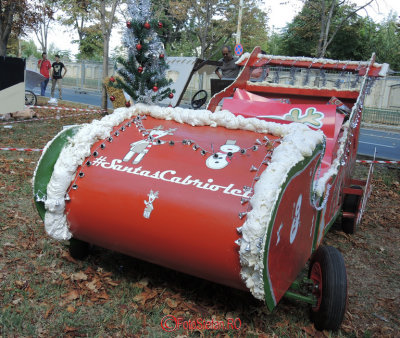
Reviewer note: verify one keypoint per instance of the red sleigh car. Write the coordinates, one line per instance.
(241, 194)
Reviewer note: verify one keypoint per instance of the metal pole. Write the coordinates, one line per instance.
(239, 25)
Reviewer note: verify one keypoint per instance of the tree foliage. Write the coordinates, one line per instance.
(357, 38)
(91, 43)
(21, 48)
(78, 14)
(45, 11)
(17, 17)
(387, 42)
(201, 28)
(317, 26)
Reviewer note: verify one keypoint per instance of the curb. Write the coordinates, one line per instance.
(377, 126)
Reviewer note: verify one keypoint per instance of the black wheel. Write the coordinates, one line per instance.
(30, 98)
(328, 273)
(199, 99)
(78, 249)
(350, 204)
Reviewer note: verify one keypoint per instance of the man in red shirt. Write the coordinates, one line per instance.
(44, 65)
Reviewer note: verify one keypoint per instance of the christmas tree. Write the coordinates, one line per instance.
(142, 75)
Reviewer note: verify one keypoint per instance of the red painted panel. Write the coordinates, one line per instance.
(317, 116)
(311, 93)
(292, 234)
(190, 229)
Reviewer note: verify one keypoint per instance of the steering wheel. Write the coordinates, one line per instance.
(199, 99)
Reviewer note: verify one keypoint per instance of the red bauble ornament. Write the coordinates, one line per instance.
(160, 25)
(146, 25)
(155, 88)
(138, 46)
(112, 79)
(170, 105)
(128, 24)
(171, 95)
(140, 69)
(112, 98)
(127, 104)
(162, 56)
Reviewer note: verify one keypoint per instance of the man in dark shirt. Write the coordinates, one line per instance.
(229, 68)
(56, 78)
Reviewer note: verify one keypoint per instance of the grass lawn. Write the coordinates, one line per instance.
(45, 292)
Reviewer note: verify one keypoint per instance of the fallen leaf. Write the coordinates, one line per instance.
(171, 303)
(92, 286)
(103, 295)
(70, 296)
(142, 283)
(79, 276)
(144, 321)
(145, 296)
(71, 309)
(178, 313)
(68, 257)
(197, 308)
(309, 329)
(20, 284)
(112, 283)
(70, 329)
(47, 314)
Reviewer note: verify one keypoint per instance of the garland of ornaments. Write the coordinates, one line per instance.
(137, 122)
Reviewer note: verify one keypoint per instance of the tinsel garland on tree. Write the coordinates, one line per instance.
(143, 73)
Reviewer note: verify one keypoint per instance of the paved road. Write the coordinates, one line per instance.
(70, 94)
(387, 144)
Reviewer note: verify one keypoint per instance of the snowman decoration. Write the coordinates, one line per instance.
(220, 160)
(296, 219)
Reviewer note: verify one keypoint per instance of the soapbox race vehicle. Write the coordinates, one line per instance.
(241, 193)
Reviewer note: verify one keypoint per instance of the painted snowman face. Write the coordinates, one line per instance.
(221, 160)
(230, 148)
(296, 219)
(217, 161)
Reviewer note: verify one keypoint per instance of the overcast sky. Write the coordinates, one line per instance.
(280, 13)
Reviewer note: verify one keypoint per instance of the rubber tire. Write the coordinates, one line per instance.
(78, 249)
(332, 308)
(196, 104)
(30, 98)
(350, 204)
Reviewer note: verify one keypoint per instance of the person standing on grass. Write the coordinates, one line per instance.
(44, 67)
(57, 76)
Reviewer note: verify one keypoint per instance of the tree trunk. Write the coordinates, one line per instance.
(106, 28)
(322, 29)
(3, 48)
(326, 36)
(327, 30)
(5, 27)
(105, 71)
